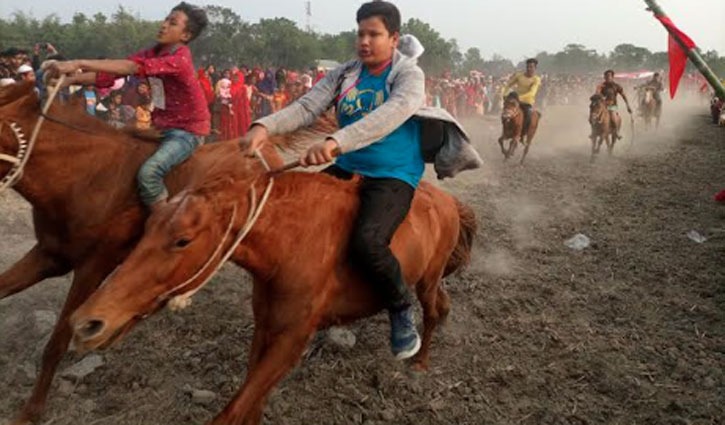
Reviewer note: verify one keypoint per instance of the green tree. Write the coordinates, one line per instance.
(440, 54)
(472, 60)
(628, 57)
(278, 42)
(340, 47)
(498, 65)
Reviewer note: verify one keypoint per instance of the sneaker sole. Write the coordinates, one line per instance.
(403, 355)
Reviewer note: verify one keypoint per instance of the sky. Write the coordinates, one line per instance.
(513, 28)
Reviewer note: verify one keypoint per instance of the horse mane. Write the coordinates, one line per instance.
(298, 140)
(74, 115)
(230, 168)
(229, 173)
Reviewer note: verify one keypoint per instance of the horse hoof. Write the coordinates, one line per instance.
(417, 370)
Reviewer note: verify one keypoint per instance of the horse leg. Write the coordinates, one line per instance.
(279, 356)
(428, 300)
(512, 147)
(443, 304)
(35, 266)
(282, 331)
(86, 279)
(527, 145)
(256, 350)
(500, 142)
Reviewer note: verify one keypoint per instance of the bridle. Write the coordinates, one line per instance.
(513, 115)
(25, 147)
(216, 260)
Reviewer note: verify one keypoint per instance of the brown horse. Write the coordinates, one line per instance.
(297, 290)
(80, 180)
(602, 130)
(512, 119)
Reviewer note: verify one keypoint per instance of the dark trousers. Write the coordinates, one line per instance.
(384, 203)
(528, 113)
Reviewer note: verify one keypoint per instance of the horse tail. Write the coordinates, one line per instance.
(461, 255)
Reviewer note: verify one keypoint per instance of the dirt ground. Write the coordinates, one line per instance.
(628, 331)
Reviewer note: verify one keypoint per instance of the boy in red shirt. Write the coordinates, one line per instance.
(179, 107)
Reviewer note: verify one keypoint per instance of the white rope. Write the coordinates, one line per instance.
(10, 159)
(259, 156)
(16, 173)
(182, 301)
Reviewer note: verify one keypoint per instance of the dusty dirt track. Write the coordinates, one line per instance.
(629, 331)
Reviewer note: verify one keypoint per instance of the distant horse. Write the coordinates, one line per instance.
(602, 130)
(81, 182)
(650, 111)
(512, 119)
(297, 254)
(717, 109)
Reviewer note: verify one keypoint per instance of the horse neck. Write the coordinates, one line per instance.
(66, 163)
(293, 206)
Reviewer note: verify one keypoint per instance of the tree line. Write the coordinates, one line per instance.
(231, 41)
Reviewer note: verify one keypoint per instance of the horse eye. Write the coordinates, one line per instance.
(182, 243)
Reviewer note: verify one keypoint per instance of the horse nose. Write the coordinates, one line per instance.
(90, 329)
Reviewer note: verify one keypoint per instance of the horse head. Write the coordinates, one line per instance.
(182, 247)
(511, 108)
(596, 108)
(648, 95)
(175, 245)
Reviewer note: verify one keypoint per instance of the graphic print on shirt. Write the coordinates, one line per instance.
(158, 96)
(359, 103)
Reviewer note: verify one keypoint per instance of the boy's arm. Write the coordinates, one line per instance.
(110, 66)
(82, 79)
(119, 67)
(514, 78)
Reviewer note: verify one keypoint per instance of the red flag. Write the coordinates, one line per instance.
(678, 57)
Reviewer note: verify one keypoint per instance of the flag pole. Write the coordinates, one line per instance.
(693, 54)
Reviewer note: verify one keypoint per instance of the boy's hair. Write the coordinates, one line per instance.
(532, 60)
(609, 71)
(387, 12)
(196, 18)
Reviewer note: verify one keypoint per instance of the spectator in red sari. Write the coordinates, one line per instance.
(241, 95)
(206, 86)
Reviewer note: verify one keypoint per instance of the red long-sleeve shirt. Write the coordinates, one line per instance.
(185, 105)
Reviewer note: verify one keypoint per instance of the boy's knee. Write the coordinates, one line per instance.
(148, 172)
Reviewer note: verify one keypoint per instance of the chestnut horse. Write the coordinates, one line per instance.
(298, 289)
(80, 181)
(512, 119)
(601, 126)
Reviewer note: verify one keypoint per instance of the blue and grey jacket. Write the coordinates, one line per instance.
(443, 139)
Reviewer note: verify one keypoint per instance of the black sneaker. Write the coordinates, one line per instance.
(404, 338)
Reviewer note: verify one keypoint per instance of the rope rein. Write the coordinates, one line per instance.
(181, 301)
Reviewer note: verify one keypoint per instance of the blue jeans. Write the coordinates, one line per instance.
(176, 147)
